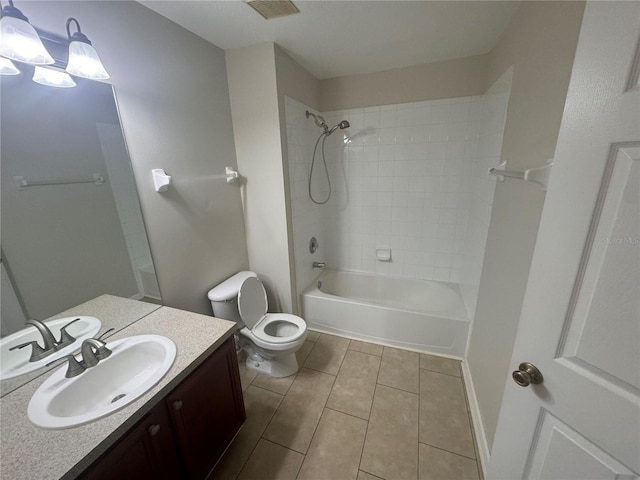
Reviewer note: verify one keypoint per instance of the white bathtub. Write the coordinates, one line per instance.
(423, 315)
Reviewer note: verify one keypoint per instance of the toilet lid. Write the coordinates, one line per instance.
(252, 302)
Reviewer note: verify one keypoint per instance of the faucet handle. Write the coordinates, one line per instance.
(37, 352)
(104, 333)
(65, 337)
(74, 368)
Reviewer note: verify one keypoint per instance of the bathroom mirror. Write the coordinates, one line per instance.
(71, 224)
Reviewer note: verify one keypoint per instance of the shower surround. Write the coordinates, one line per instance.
(410, 177)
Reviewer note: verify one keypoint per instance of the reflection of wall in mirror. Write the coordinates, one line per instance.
(123, 186)
(13, 318)
(65, 243)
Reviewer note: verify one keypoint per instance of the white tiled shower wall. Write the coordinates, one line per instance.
(405, 177)
(301, 136)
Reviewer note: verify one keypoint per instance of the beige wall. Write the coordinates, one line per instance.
(447, 79)
(295, 81)
(257, 132)
(173, 98)
(540, 43)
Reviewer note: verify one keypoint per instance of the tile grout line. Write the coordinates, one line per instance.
(369, 473)
(449, 451)
(261, 434)
(267, 390)
(321, 415)
(441, 373)
(375, 388)
(283, 446)
(400, 389)
(321, 371)
(348, 414)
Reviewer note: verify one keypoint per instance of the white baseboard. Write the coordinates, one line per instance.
(476, 418)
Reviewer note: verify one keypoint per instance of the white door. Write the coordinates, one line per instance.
(580, 322)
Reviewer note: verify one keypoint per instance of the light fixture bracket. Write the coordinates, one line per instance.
(11, 11)
(77, 36)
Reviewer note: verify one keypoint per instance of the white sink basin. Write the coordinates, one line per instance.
(16, 362)
(136, 364)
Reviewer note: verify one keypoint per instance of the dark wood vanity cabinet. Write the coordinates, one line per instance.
(186, 433)
(207, 410)
(146, 451)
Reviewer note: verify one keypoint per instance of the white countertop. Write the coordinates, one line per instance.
(28, 452)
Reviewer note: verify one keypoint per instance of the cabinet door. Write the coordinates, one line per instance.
(146, 452)
(207, 410)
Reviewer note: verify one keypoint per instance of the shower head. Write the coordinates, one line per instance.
(342, 125)
(319, 120)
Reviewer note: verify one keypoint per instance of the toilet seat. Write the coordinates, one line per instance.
(276, 331)
(279, 328)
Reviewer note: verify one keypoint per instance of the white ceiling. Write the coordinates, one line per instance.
(336, 37)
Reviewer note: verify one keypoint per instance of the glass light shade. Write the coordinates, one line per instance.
(19, 41)
(52, 78)
(84, 62)
(7, 67)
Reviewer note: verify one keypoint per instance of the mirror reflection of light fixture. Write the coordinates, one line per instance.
(83, 58)
(7, 67)
(19, 40)
(52, 78)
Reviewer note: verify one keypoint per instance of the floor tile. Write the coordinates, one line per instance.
(353, 390)
(400, 369)
(367, 476)
(279, 385)
(438, 464)
(336, 447)
(303, 353)
(327, 354)
(312, 336)
(273, 462)
(365, 347)
(444, 419)
(260, 406)
(391, 444)
(296, 419)
(448, 366)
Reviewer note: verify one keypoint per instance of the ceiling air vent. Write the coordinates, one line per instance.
(273, 8)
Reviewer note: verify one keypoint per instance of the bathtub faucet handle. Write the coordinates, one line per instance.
(319, 265)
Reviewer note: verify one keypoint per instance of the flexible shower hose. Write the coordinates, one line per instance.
(322, 136)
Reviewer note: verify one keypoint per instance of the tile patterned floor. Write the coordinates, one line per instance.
(354, 411)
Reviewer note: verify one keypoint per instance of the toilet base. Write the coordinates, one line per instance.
(283, 365)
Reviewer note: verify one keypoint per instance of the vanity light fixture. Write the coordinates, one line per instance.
(19, 40)
(7, 67)
(52, 78)
(83, 58)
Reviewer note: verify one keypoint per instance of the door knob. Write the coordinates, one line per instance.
(527, 374)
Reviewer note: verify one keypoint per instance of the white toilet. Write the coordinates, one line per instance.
(271, 340)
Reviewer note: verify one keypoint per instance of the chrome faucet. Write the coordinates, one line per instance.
(48, 339)
(92, 350)
(90, 358)
(321, 265)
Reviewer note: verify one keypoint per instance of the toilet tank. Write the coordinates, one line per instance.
(224, 297)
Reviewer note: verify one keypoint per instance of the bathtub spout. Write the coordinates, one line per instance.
(319, 265)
